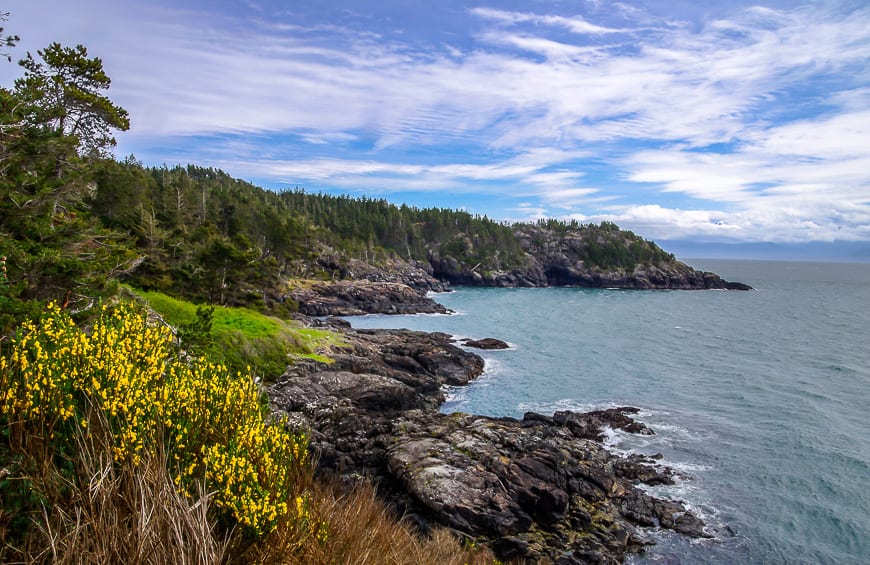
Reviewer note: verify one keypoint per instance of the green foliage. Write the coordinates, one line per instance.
(361, 225)
(122, 385)
(196, 337)
(211, 238)
(55, 248)
(606, 246)
(242, 339)
(61, 92)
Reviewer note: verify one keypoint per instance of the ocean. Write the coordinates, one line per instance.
(761, 399)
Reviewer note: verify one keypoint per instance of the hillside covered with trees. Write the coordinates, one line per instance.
(74, 221)
(73, 224)
(142, 308)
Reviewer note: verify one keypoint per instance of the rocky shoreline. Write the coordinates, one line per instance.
(566, 270)
(403, 288)
(355, 298)
(537, 489)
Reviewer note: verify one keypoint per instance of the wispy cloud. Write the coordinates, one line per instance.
(574, 24)
(757, 119)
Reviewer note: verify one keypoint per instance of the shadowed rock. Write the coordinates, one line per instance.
(539, 489)
(354, 298)
(485, 343)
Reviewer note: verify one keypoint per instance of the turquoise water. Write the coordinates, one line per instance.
(760, 398)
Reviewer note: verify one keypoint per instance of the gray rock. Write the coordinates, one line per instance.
(538, 489)
(485, 343)
(354, 298)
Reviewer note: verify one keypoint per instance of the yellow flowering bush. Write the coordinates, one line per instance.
(124, 379)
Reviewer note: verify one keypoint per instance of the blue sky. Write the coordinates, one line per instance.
(729, 122)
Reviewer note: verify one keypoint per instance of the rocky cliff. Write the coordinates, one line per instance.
(354, 298)
(589, 256)
(542, 489)
(553, 254)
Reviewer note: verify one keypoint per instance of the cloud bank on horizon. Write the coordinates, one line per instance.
(739, 122)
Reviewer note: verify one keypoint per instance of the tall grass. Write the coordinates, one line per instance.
(123, 513)
(364, 531)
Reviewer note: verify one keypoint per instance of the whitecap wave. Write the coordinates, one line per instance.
(434, 314)
(565, 404)
(454, 394)
(431, 293)
(695, 500)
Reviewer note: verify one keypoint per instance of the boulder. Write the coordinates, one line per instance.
(485, 343)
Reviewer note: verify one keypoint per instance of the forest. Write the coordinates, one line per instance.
(75, 221)
(140, 308)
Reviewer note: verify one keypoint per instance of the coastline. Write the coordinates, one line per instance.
(537, 488)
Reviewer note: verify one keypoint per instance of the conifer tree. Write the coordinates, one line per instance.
(62, 92)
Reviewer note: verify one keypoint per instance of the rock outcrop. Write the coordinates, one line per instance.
(534, 487)
(563, 269)
(542, 488)
(353, 298)
(590, 256)
(485, 343)
(415, 274)
(594, 257)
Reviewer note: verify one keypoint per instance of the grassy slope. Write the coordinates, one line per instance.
(243, 337)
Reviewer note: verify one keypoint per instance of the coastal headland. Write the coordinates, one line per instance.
(403, 287)
(543, 488)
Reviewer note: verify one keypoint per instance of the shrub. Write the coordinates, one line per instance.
(122, 386)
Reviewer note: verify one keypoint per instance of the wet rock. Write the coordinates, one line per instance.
(485, 343)
(539, 489)
(590, 425)
(354, 298)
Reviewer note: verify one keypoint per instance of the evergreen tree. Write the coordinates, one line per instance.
(50, 126)
(62, 92)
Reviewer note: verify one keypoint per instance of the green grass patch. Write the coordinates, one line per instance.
(322, 338)
(244, 338)
(316, 357)
(175, 312)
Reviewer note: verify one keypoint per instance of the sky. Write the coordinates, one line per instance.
(727, 122)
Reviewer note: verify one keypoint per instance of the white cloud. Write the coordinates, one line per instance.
(694, 87)
(771, 222)
(574, 24)
(785, 93)
(773, 190)
(526, 174)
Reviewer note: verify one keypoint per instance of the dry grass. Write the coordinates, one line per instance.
(134, 515)
(120, 514)
(364, 531)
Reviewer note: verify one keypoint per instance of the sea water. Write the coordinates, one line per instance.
(761, 399)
